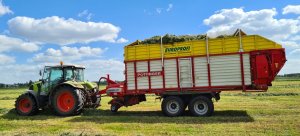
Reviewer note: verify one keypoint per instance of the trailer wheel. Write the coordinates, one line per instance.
(201, 106)
(114, 107)
(68, 101)
(172, 106)
(26, 105)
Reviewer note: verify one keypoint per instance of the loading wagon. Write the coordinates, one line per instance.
(186, 74)
(192, 73)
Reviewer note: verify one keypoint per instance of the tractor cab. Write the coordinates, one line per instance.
(55, 75)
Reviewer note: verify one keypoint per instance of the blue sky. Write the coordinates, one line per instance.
(36, 33)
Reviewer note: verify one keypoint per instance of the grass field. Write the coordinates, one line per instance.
(276, 112)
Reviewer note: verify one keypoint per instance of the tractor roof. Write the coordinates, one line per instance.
(65, 66)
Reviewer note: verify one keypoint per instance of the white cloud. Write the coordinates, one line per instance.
(122, 40)
(295, 9)
(291, 66)
(14, 44)
(158, 10)
(296, 38)
(295, 52)
(170, 6)
(290, 44)
(4, 9)
(262, 22)
(67, 54)
(4, 59)
(62, 31)
(94, 69)
(18, 73)
(83, 13)
(97, 68)
(86, 14)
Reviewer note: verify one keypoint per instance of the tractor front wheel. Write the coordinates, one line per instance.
(26, 105)
(67, 101)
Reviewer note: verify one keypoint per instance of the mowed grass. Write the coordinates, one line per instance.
(276, 112)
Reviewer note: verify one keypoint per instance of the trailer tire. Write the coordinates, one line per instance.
(114, 107)
(201, 106)
(26, 105)
(67, 101)
(172, 106)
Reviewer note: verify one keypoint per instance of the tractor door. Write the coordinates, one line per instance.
(56, 77)
(51, 78)
(45, 83)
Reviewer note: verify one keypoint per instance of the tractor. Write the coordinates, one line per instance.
(63, 89)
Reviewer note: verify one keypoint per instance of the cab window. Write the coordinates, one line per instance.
(56, 75)
(79, 74)
(69, 74)
(46, 73)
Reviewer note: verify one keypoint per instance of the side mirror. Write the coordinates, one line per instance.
(40, 73)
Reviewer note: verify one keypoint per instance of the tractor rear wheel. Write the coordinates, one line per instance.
(67, 101)
(26, 105)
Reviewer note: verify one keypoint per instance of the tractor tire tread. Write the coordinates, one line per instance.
(34, 109)
(79, 101)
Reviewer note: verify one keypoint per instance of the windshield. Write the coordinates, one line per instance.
(69, 74)
(74, 74)
(56, 75)
(79, 75)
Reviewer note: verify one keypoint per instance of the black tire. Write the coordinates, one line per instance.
(97, 102)
(26, 105)
(172, 106)
(114, 107)
(96, 99)
(201, 106)
(72, 104)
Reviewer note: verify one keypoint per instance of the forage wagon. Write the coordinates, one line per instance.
(188, 73)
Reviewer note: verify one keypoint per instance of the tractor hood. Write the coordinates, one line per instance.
(35, 86)
(88, 85)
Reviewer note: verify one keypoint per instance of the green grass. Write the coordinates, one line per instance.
(276, 112)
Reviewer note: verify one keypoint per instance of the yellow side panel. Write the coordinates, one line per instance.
(199, 48)
(141, 52)
(196, 48)
(155, 51)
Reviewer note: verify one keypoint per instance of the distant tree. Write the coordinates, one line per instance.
(292, 75)
(30, 83)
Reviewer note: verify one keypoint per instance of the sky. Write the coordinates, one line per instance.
(93, 33)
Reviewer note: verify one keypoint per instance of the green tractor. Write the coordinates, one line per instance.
(63, 89)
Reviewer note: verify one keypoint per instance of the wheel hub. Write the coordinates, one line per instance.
(25, 105)
(113, 107)
(173, 107)
(65, 101)
(201, 107)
